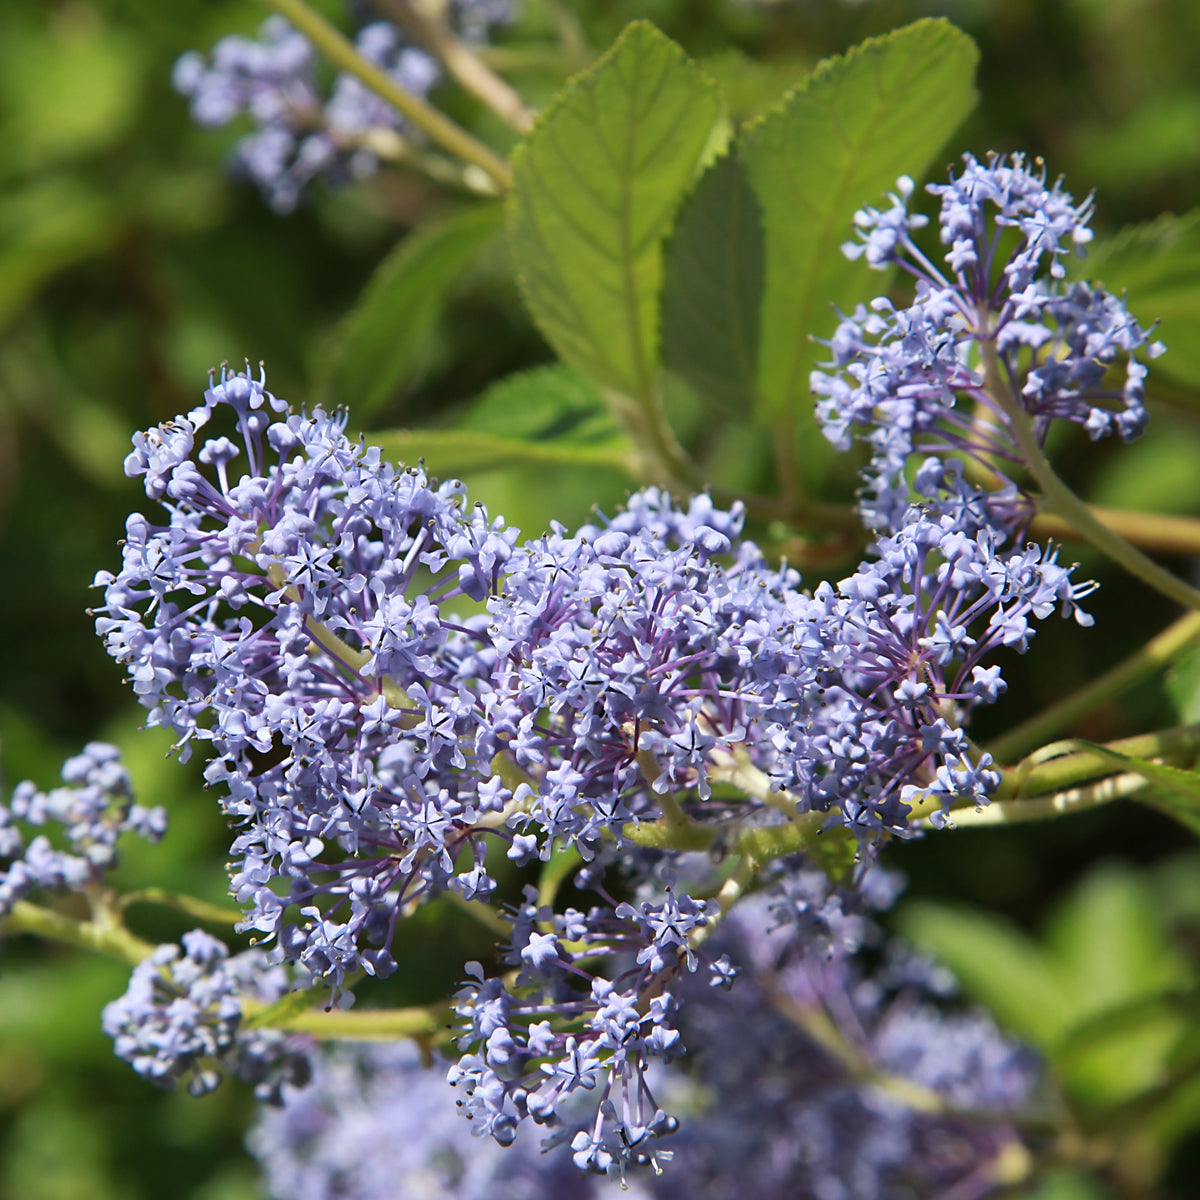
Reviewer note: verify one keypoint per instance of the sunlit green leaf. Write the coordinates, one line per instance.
(598, 182)
(836, 143)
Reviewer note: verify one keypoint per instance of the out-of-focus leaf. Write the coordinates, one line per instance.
(1183, 686)
(1158, 265)
(836, 143)
(464, 451)
(377, 347)
(1108, 939)
(1156, 474)
(547, 404)
(45, 227)
(597, 183)
(1111, 950)
(713, 289)
(1064, 1183)
(67, 88)
(996, 965)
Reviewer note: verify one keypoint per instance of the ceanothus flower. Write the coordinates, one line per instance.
(810, 1077)
(292, 613)
(865, 1085)
(343, 1135)
(312, 614)
(182, 1017)
(1000, 332)
(93, 808)
(299, 135)
(572, 1040)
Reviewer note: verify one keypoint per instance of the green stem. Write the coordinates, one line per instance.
(367, 1025)
(392, 147)
(1068, 777)
(487, 916)
(101, 937)
(1160, 532)
(202, 910)
(1139, 666)
(441, 130)
(461, 61)
(663, 459)
(1058, 498)
(325, 639)
(1073, 764)
(1060, 804)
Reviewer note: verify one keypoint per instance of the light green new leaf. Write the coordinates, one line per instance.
(597, 183)
(1158, 266)
(377, 347)
(836, 143)
(1181, 787)
(1174, 791)
(549, 416)
(713, 290)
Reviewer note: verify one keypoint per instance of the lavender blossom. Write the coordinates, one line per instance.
(991, 337)
(341, 1136)
(899, 1095)
(94, 808)
(860, 1092)
(182, 1018)
(306, 619)
(295, 618)
(590, 1012)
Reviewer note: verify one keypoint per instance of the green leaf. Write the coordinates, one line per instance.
(1064, 1183)
(547, 404)
(713, 290)
(996, 964)
(752, 85)
(1109, 940)
(598, 181)
(1173, 786)
(1158, 266)
(549, 416)
(376, 349)
(1183, 686)
(1116, 963)
(836, 143)
(1175, 792)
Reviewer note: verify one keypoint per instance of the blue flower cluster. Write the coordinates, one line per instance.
(811, 1078)
(865, 1084)
(182, 1017)
(998, 336)
(299, 618)
(300, 133)
(344, 1136)
(93, 809)
(391, 686)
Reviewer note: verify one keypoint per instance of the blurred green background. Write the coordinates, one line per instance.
(130, 264)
